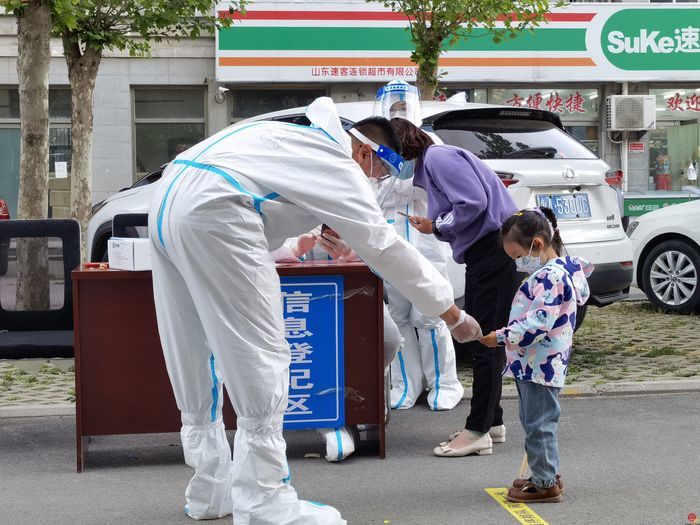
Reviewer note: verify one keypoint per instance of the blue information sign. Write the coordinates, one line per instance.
(313, 324)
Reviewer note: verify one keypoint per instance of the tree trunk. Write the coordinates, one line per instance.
(427, 56)
(427, 80)
(82, 73)
(34, 26)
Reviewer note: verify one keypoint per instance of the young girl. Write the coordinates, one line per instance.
(538, 341)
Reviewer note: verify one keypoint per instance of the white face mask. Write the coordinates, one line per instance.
(529, 263)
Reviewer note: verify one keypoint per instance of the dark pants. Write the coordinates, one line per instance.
(491, 283)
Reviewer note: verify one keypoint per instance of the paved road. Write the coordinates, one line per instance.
(624, 459)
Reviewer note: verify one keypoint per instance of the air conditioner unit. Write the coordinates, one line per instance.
(631, 113)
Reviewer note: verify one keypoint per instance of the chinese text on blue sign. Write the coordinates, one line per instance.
(313, 323)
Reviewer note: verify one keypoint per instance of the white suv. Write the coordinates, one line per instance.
(536, 159)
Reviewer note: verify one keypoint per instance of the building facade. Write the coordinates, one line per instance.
(285, 54)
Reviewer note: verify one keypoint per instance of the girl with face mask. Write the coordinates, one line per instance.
(538, 340)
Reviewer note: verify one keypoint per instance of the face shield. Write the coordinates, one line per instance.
(398, 99)
(392, 163)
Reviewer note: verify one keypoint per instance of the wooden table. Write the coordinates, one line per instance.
(121, 383)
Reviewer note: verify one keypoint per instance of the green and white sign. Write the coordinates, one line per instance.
(635, 41)
(356, 41)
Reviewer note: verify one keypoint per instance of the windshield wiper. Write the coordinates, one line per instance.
(546, 152)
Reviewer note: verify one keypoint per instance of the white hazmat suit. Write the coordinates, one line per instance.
(427, 357)
(221, 207)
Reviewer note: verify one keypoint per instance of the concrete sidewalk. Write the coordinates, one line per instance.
(625, 459)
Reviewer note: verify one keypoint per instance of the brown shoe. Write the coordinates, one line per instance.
(518, 483)
(529, 493)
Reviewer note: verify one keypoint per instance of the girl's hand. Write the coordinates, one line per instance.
(422, 224)
(489, 340)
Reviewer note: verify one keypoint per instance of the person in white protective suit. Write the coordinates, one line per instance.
(312, 246)
(220, 208)
(427, 357)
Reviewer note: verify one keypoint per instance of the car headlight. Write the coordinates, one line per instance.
(633, 226)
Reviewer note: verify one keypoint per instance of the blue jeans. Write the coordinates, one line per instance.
(539, 415)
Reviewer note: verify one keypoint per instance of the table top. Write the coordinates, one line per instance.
(288, 269)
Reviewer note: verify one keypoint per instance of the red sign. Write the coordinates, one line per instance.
(636, 147)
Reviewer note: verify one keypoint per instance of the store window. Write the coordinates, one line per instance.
(167, 121)
(675, 143)
(252, 102)
(10, 139)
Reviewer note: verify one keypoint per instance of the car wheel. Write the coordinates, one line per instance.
(580, 315)
(670, 276)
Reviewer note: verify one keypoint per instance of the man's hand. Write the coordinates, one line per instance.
(305, 244)
(422, 224)
(335, 246)
(465, 329)
(489, 340)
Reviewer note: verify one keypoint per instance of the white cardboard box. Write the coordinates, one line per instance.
(129, 254)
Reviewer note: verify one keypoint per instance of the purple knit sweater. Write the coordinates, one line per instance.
(466, 199)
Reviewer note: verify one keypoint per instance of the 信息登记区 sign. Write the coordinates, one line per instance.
(314, 328)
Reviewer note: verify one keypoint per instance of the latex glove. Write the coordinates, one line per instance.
(336, 247)
(305, 244)
(422, 224)
(466, 329)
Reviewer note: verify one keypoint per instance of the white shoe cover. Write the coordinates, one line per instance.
(340, 443)
(287, 509)
(208, 494)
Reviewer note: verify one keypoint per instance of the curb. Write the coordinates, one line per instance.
(62, 409)
(509, 392)
(613, 389)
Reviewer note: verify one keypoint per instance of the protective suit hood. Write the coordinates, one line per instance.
(323, 115)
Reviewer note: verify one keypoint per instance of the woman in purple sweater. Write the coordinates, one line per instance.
(467, 203)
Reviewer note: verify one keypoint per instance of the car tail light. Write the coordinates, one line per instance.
(627, 264)
(614, 178)
(508, 179)
(4, 210)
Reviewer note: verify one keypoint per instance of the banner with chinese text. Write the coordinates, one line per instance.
(356, 41)
(314, 328)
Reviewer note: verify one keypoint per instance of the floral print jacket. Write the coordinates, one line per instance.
(540, 332)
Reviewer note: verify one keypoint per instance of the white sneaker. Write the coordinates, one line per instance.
(498, 434)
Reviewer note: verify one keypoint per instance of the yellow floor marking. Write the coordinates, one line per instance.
(520, 511)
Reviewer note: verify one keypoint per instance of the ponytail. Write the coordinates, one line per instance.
(525, 225)
(557, 243)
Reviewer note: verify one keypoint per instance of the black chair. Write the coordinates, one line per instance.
(40, 333)
(125, 224)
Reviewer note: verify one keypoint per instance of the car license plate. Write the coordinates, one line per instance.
(567, 206)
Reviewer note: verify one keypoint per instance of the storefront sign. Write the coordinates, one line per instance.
(581, 104)
(668, 39)
(636, 147)
(313, 323)
(356, 41)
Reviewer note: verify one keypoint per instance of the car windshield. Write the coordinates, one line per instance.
(513, 139)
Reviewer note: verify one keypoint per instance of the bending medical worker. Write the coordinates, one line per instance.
(427, 357)
(220, 208)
